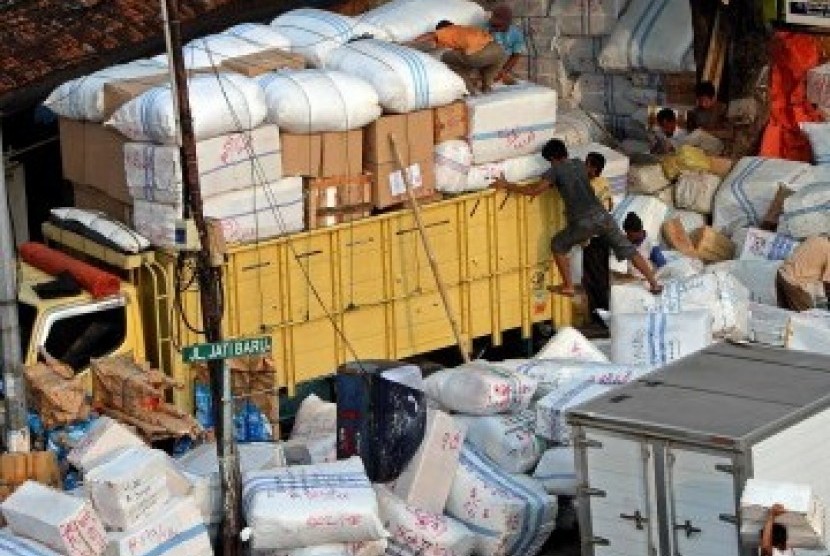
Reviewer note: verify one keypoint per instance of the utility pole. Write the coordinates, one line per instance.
(210, 287)
(11, 363)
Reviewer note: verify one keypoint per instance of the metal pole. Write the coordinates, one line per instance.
(442, 289)
(17, 429)
(210, 291)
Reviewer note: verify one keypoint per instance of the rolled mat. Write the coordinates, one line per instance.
(97, 282)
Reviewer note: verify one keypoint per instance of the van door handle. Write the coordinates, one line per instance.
(688, 528)
(599, 541)
(637, 518)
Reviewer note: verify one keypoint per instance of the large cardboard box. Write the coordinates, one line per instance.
(413, 132)
(252, 65)
(93, 155)
(332, 201)
(388, 187)
(322, 155)
(451, 122)
(93, 199)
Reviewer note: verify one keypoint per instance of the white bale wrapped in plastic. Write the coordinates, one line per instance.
(753, 244)
(718, 292)
(315, 34)
(201, 467)
(653, 35)
(679, 267)
(579, 54)
(405, 79)
(768, 324)
(220, 104)
(315, 427)
(240, 40)
(404, 20)
(745, 195)
(506, 439)
(308, 505)
(513, 170)
(758, 277)
(655, 339)
(105, 437)
(569, 343)
(809, 331)
(696, 191)
(413, 530)
(315, 101)
(129, 488)
(806, 212)
(177, 530)
(83, 98)
(576, 127)
(480, 388)
(579, 18)
(511, 121)
(19, 546)
(803, 510)
(115, 232)
(511, 515)
(647, 179)
(453, 160)
(557, 471)
(690, 220)
(612, 94)
(226, 163)
(362, 548)
(552, 373)
(259, 212)
(62, 522)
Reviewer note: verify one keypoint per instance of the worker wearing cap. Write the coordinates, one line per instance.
(511, 39)
(805, 275)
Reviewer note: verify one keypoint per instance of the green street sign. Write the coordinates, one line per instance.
(227, 349)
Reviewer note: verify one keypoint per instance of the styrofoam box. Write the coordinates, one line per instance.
(104, 437)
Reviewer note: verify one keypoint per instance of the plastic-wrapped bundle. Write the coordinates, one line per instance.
(480, 388)
(404, 20)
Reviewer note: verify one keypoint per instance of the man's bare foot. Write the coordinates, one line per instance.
(563, 290)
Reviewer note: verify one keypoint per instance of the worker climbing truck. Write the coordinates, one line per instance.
(359, 290)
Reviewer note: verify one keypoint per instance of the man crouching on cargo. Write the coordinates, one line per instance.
(586, 217)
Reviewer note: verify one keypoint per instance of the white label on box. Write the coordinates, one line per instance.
(396, 182)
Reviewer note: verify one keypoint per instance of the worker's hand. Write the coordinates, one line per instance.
(777, 510)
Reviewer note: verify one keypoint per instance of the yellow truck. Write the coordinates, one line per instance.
(326, 296)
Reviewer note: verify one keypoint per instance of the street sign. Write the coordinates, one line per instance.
(228, 349)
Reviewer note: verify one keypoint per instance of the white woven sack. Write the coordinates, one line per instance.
(226, 163)
(260, 212)
(819, 135)
(569, 343)
(362, 548)
(480, 388)
(83, 98)
(745, 195)
(220, 104)
(653, 35)
(611, 94)
(415, 531)
(647, 179)
(705, 141)
(679, 266)
(762, 245)
(818, 85)
(309, 505)
(453, 160)
(404, 20)
(511, 121)
(575, 127)
(580, 18)
(655, 339)
(552, 373)
(696, 191)
(718, 292)
(557, 471)
(506, 439)
(315, 34)
(809, 331)
(405, 79)
(314, 101)
(757, 276)
(768, 324)
(315, 426)
(511, 515)
(579, 54)
(690, 220)
(806, 212)
(115, 232)
(513, 170)
(240, 40)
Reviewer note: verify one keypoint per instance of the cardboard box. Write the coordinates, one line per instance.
(93, 199)
(17, 468)
(119, 93)
(414, 133)
(93, 155)
(332, 201)
(252, 65)
(322, 155)
(451, 122)
(388, 186)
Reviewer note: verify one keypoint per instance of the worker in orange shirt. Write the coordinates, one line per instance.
(470, 50)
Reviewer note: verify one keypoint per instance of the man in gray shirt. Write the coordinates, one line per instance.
(586, 217)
